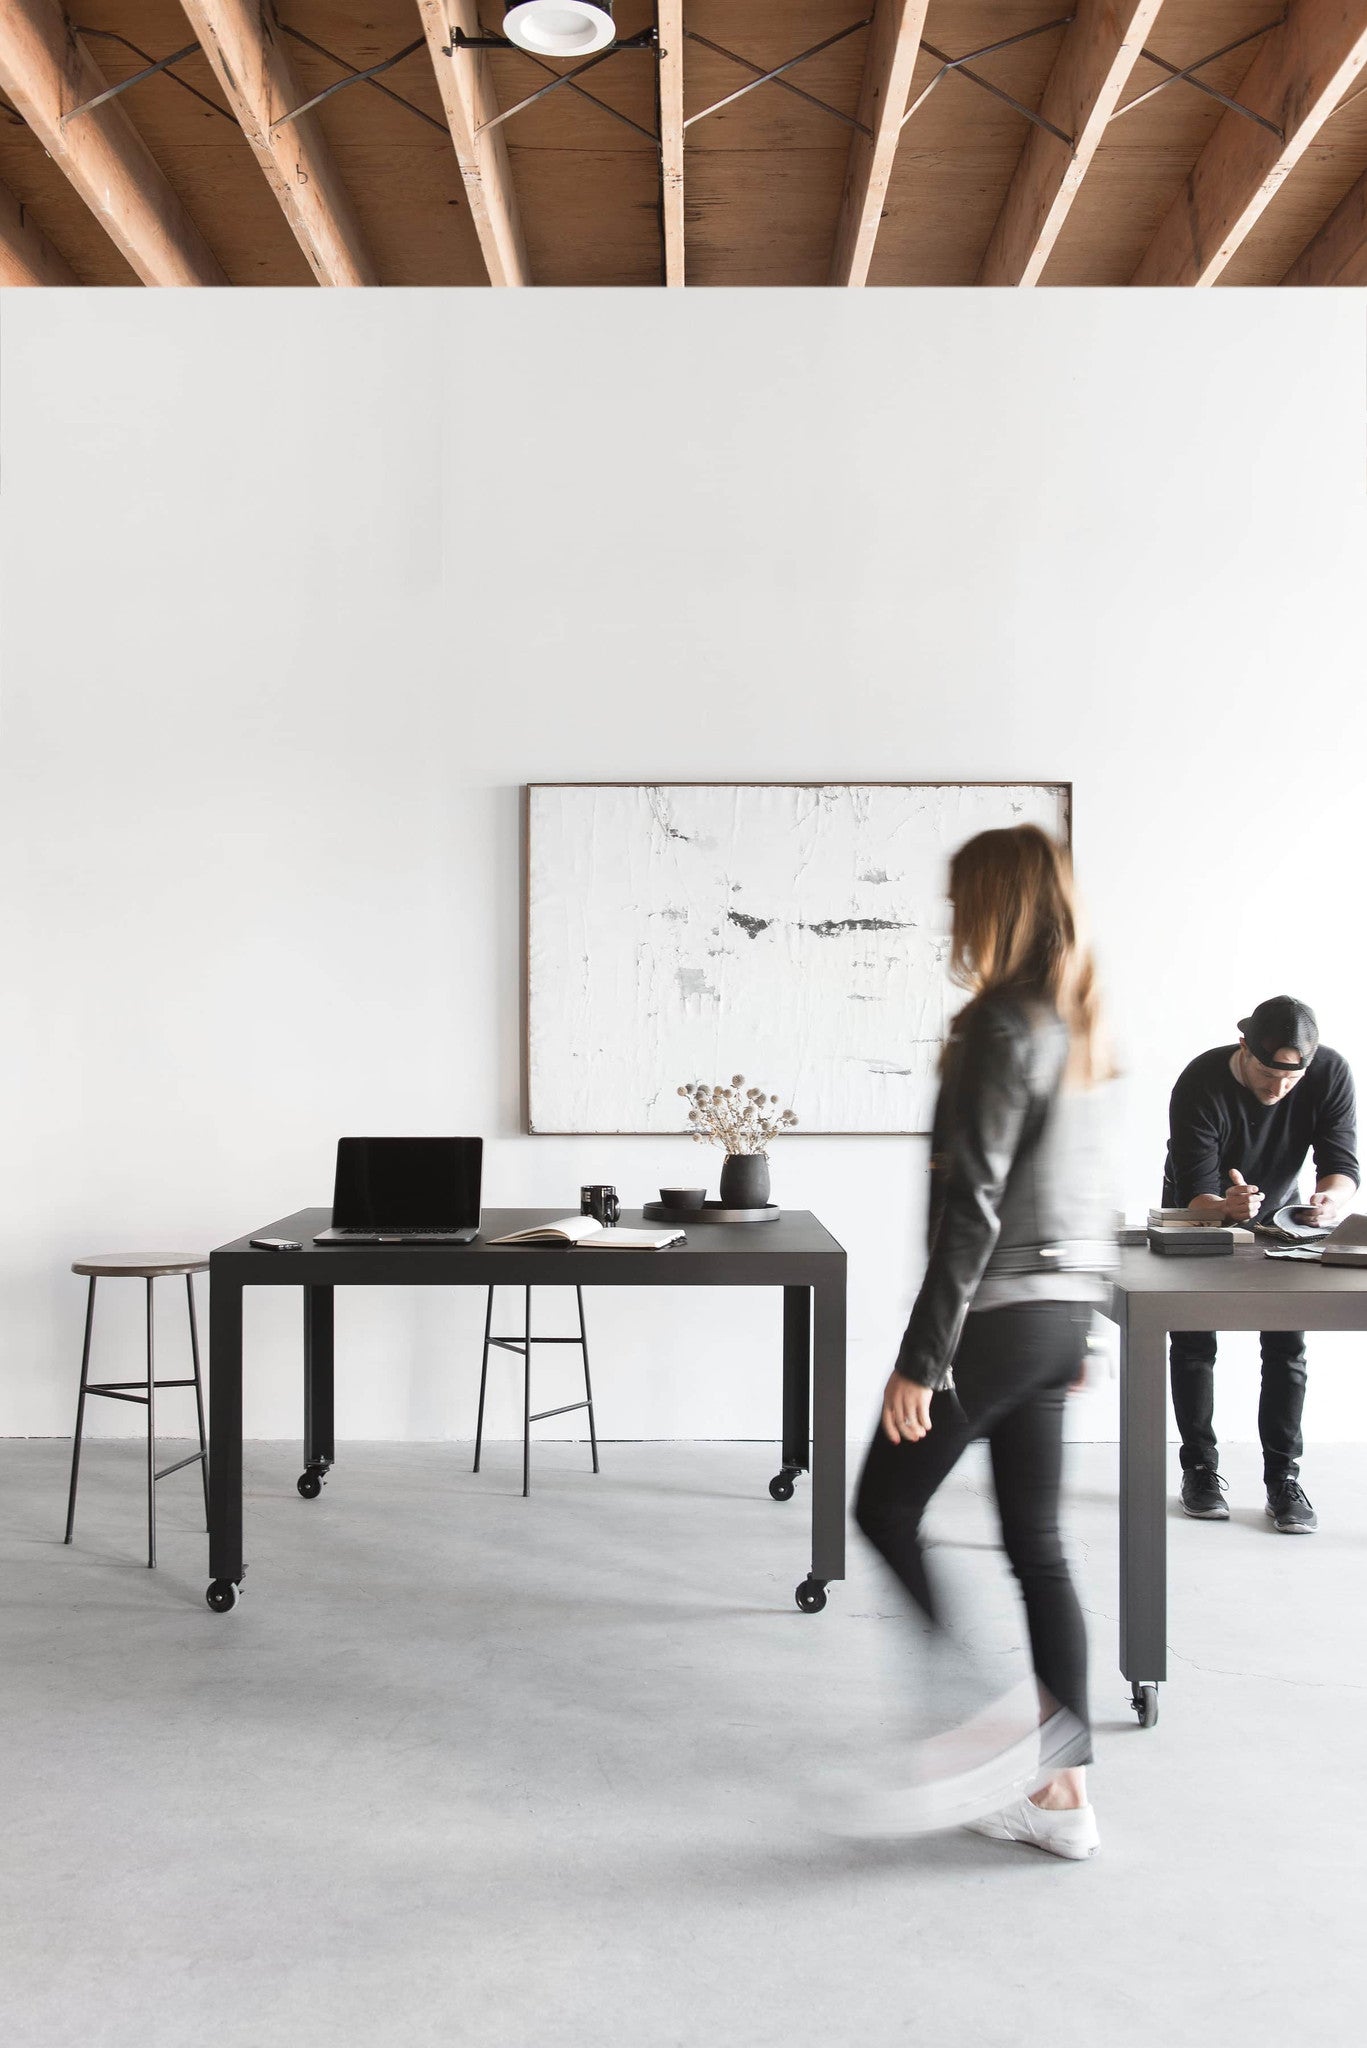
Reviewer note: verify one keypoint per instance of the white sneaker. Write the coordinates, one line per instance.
(1069, 1831)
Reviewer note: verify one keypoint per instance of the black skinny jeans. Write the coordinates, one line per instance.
(1280, 1405)
(1012, 1372)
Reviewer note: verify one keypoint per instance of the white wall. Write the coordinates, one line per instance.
(299, 588)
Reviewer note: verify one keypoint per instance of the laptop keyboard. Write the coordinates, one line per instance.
(404, 1230)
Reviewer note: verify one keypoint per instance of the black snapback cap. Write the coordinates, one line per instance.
(1281, 1021)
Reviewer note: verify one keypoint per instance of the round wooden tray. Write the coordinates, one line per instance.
(710, 1212)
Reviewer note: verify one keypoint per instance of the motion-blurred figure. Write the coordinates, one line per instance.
(997, 1335)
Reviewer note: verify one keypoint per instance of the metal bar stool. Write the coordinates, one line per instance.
(523, 1346)
(139, 1266)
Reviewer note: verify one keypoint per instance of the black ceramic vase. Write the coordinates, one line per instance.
(745, 1180)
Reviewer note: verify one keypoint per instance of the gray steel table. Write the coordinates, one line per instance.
(1151, 1295)
(796, 1254)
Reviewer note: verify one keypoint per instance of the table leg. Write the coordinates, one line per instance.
(319, 1438)
(797, 1397)
(1143, 1513)
(828, 1448)
(225, 1442)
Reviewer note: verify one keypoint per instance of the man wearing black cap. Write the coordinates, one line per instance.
(1240, 1125)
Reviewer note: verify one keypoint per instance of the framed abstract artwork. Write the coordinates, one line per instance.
(796, 933)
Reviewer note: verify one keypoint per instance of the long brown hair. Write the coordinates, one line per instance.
(1017, 926)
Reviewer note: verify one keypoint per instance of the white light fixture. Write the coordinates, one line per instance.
(559, 28)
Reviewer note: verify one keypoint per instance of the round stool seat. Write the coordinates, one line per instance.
(140, 1265)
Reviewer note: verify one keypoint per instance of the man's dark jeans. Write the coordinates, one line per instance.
(1192, 1355)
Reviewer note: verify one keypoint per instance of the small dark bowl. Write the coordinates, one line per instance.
(683, 1198)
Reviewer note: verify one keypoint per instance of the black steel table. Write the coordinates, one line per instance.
(796, 1253)
(1151, 1295)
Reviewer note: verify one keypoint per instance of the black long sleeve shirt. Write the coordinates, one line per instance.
(1216, 1125)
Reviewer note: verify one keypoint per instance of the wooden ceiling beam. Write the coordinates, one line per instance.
(670, 25)
(1082, 91)
(26, 255)
(242, 41)
(1338, 253)
(1298, 77)
(47, 72)
(890, 59)
(465, 82)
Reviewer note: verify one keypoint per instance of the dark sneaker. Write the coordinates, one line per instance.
(1289, 1509)
(1203, 1495)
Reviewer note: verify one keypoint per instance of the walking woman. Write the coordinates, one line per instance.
(998, 1330)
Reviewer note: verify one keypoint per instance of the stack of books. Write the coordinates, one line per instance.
(1186, 1233)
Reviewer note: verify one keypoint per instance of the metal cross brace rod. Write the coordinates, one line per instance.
(961, 64)
(366, 77)
(150, 70)
(356, 78)
(1184, 74)
(645, 40)
(649, 133)
(369, 78)
(776, 77)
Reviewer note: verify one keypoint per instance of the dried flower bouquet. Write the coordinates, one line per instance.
(739, 1119)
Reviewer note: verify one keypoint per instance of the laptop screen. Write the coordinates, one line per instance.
(407, 1183)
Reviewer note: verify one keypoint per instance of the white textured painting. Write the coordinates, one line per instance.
(798, 935)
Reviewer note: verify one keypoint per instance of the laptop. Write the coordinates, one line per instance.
(406, 1191)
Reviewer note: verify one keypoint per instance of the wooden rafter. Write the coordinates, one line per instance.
(1296, 80)
(1098, 53)
(1338, 253)
(465, 82)
(670, 25)
(26, 255)
(894, 39)
(242, 41)
(47, 72)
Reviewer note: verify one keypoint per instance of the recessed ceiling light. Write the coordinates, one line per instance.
(559, 28)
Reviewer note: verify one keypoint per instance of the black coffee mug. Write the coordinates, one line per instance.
(601, 1202)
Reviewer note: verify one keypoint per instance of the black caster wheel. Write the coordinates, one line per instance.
(222, 1596)
(781, 1486)
(811, 1595)
(1144, 1700)
(310, 1483)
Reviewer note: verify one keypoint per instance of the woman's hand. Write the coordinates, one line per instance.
(906, 1410)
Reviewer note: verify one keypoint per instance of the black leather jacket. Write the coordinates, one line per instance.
(1013, 1186)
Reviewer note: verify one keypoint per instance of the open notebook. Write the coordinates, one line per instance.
(587, 1230)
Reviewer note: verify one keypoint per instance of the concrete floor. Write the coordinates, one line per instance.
(464, 1769)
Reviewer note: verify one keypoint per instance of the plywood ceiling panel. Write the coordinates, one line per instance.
(961, 146)
(763, 176)
(587, 185)
(1145, 156)
(1329, 169)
